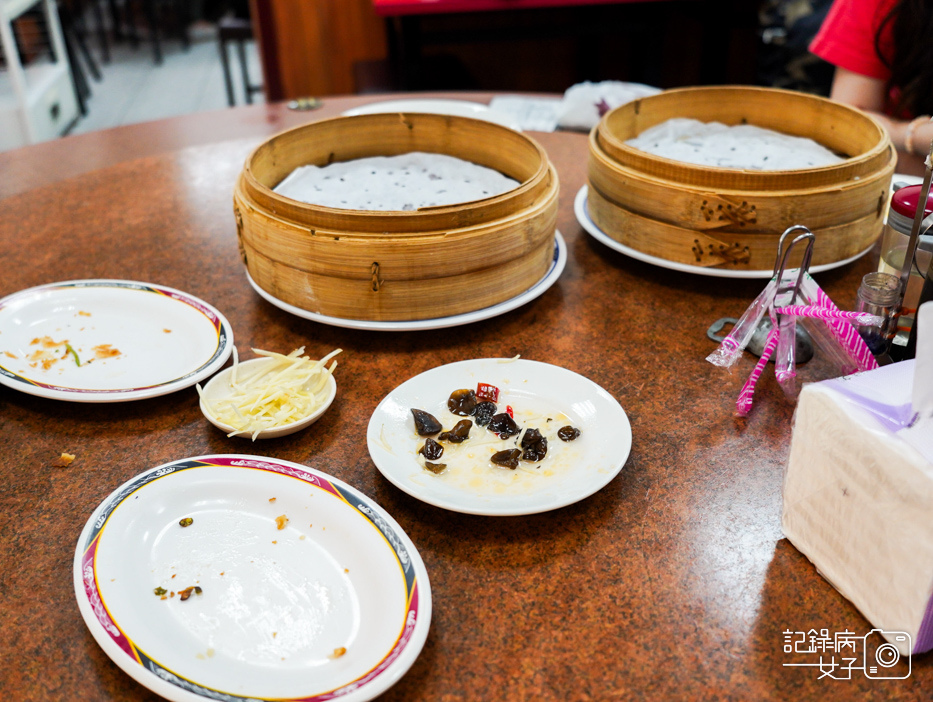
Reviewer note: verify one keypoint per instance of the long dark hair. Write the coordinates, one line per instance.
(911, 62)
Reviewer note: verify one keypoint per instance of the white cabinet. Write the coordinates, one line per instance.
(37, 98)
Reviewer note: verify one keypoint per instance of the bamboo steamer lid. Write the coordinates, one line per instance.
(729, 218)
(397, 265)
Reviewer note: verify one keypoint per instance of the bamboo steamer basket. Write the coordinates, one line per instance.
(729, 218)
(397, 265)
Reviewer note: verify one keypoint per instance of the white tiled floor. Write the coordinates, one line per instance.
(134, 89)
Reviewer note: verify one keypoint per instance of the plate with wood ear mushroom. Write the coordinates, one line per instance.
(499, 437)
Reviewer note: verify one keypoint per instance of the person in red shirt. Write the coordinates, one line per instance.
(884, 66)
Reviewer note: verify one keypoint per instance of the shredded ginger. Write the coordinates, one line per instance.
(280, 392)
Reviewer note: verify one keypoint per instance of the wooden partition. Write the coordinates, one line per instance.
(310, 47)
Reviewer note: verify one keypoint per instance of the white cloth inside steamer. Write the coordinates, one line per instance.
(743, 146)
(396, 183)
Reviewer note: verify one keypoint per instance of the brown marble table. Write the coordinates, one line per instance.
(672, 582)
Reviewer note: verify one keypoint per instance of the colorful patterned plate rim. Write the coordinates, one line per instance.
(108, 340)
(571, 471)
(536, 290)
(299, 587)
(591, 228)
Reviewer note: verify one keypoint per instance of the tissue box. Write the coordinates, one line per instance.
(858, 497)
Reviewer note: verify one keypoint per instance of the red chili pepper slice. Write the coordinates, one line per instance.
(485, 391)
(508, 408)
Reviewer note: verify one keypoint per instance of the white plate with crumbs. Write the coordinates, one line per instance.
(536, 290)
(541, 396)
(591, 228)
(457, 108)
(232, 577)
(108, 340)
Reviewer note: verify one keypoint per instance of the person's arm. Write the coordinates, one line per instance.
(868, 94)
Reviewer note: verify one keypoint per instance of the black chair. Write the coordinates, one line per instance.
(84, 13)
(238, 31)
(79, 56)
(157, 16)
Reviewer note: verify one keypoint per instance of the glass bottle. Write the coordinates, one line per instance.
(879, 294)
(904, 204)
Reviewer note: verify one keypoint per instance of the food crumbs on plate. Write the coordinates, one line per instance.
(41, 358)
(338, 652)
(46, 357)
(10, 355)
(174, 574)
(82, 313)
(186, 593)
(167, 331)
(275, 542)
(280, 522)
(187, 521)
(46, 342)
(64, 460)
(274, 634)
(105, 351)
(210, 653)
(271, 499)
(346, 570)
(301, 538)
(160, 591)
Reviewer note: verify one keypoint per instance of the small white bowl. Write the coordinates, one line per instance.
(218, 388)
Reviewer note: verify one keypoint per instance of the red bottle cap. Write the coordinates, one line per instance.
(905, 200)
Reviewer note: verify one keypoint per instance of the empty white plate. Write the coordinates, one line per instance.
(108, 340)
(458, 108)
(308, 589)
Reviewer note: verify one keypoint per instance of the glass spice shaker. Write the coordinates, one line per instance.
(879, 294)
(904, 204)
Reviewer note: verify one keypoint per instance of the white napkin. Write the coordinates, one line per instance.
(585, 103)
